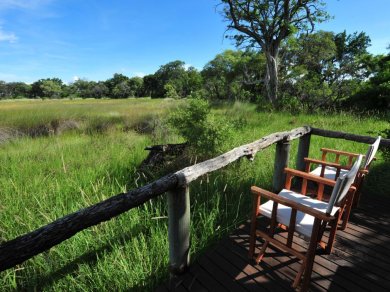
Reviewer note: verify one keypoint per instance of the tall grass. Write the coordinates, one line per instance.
(46, 177)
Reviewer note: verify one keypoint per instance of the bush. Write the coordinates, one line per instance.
(204, 132)
(386, 151)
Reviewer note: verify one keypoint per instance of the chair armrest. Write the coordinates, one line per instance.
(310, 177)
(292, 204)
(340, 152)
(335, 165)
(322, 162)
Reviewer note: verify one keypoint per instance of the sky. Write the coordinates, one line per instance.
(88, 39)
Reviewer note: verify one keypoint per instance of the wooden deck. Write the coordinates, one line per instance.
(360, 260)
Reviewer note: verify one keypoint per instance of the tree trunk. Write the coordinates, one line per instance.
(271, 77)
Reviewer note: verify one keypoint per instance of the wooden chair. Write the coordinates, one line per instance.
(332, 170)
(299, 213)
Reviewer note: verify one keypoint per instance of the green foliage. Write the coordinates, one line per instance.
(45, 178)
(170, 91)
(323, 69)
(48, 88)
(234, 75)
(375, 94)
(386, 151)
(266, 25)
(205, 132)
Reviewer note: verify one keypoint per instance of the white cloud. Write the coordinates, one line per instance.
(23, 4)
(75, 78)
(7, 36)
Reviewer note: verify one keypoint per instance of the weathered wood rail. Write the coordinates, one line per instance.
(26, 246)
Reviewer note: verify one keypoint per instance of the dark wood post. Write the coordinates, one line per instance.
(281, 161)
(179, 229)
(303, 151)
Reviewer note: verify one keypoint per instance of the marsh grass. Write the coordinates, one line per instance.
(46, 177)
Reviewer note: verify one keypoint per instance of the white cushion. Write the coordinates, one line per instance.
(329, 173)
(304, 222)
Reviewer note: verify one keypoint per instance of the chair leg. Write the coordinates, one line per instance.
(271, 234)
(332, 234)
(298, 277)
(252, 239)
(356, 199)
(262, 252)
(311, 252)
(347, 210)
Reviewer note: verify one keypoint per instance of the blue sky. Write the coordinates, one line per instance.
(95, 39)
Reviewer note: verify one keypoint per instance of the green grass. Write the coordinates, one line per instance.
(46, 177)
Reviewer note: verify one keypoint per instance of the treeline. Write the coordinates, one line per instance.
(317, 70)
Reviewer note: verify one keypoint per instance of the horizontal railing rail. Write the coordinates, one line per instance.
(26, 246)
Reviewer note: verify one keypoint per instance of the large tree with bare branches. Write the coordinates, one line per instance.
(267, 23)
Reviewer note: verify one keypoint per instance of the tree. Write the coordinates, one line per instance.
(121, 90)
(98, 89)
(14, 89)
(194, 81)
(173, 73)
(150, 86)
(81, 88)
(136, 86)
(375, 93)
(266, 24)
(49, 87)
(113, 84)
(324, 68)
(233, 75)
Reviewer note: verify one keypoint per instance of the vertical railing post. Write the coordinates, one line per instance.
(179, 229)
(281, 161)
(303, 151)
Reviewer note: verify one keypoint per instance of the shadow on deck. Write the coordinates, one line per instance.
(360, 260)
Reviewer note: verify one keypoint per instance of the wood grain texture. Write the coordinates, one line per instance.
(348, 136)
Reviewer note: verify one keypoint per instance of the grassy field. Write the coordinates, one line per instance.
(59, 156)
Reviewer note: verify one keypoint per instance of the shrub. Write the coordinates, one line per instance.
(204, 132)
(386, 151)
(170, 91)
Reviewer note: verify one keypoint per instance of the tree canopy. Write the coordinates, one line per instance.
(265, 24)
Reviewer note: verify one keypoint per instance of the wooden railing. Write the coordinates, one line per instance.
(26, 246)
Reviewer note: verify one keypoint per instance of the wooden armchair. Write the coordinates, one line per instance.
(296, 212)
(332, 170)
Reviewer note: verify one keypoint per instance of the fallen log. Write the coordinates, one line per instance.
(159, 154)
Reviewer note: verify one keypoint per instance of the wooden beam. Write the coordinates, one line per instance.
(191, 173)
(348, 136)
(179, 229)
(303, 151)
(282, 156)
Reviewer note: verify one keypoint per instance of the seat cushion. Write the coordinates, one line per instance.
(329, 173)
(304, 222)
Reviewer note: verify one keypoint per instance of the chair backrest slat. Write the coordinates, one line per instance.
(343, 184)
(371, 152)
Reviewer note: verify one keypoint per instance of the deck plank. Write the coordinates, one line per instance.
(360, 260)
